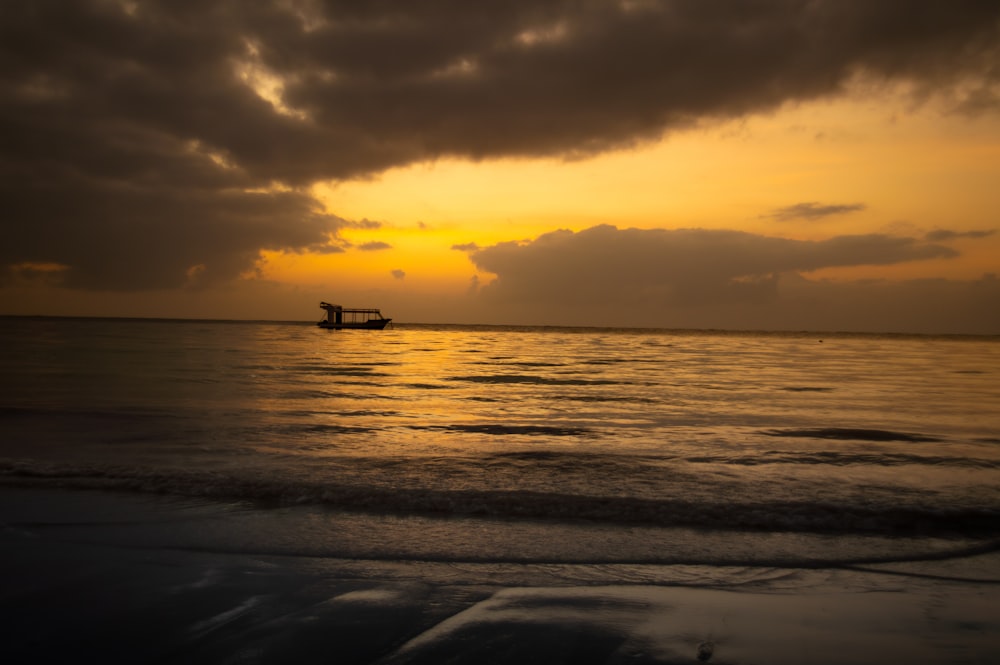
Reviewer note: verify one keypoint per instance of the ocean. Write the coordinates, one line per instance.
(517, 458)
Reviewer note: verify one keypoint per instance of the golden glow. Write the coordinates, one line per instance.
(423, 255)
(37, 272)
(265, 84)
(199, 148)
(914, 171)
(543, 35)
(40, 266)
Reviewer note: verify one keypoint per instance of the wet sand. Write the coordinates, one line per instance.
(70, 599)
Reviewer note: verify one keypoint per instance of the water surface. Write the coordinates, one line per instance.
(488, 444)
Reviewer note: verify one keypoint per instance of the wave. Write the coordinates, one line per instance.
(845, 459)
(503, 430)
(540, 380)
(366, 370)
(520, 363)
(851, 433)
(807, 389)
(805, 516)
(628, 399)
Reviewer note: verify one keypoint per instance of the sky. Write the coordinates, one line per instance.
(749, 164)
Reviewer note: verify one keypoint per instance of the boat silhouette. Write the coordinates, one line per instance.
(348, 318)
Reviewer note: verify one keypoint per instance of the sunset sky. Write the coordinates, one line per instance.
(757, 164)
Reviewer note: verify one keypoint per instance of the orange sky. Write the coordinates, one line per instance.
(784, 164)
(915, 169)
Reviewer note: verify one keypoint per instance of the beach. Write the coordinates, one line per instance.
(87, 580)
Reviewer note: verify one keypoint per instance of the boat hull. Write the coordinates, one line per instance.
(371, 324)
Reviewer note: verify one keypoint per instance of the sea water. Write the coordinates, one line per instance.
(260, 492)
(617, 454)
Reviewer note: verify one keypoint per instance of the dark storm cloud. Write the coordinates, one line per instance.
(657, 267)
(111, 235)
(136, 152)
(812, 211)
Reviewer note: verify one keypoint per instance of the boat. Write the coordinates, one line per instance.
(348, 318)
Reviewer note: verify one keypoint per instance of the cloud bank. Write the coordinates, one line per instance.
(671, 267)
(159, 144)
(697, 278)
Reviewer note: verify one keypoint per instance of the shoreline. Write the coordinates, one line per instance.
(66, 597)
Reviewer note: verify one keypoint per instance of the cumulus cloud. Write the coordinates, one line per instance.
(146, 142)
(662, 267)
(698, 278)
(812, 211)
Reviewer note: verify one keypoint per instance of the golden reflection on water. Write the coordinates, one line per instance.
(652, 420)
(632, 413)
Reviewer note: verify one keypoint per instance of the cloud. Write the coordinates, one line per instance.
(39, 274)
(667, 267)
(374, 246)
(697, 278)
(941, 235)
(115, 236)
(144, 139)
(398, 274)
(365, 223)
(466, 247)
(812, 211)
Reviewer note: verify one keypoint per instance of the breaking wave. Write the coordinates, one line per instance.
(748, 515)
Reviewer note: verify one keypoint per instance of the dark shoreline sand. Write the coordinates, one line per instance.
(66, 598)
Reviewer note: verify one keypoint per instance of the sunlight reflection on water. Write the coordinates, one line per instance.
(654, 426)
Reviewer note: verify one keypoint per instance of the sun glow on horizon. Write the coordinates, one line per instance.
(893, 158)
(507, 163)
